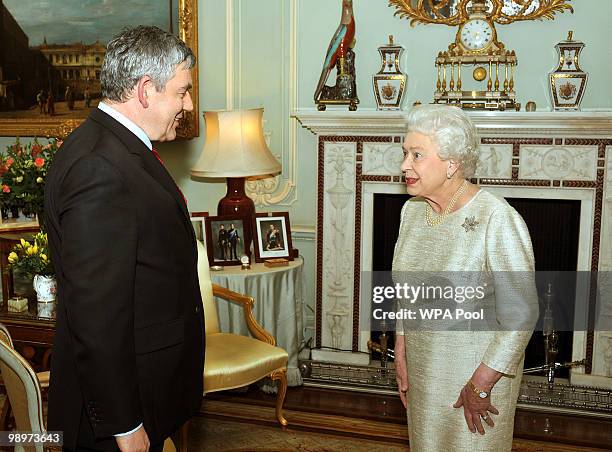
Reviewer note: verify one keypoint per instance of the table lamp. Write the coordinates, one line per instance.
(235, 148)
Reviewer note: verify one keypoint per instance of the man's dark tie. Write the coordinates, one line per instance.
(155, 153)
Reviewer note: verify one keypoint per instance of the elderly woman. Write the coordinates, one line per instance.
(460, 387)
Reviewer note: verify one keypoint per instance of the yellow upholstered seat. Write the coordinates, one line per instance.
(233, 360)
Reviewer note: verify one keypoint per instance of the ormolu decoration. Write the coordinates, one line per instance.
(476, 45)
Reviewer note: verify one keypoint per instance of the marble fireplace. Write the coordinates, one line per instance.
(548, 155)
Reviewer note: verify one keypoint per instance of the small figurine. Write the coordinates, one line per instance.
(341, 55)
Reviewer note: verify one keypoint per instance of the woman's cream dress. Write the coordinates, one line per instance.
(485, 236)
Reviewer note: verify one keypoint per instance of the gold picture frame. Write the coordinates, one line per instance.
(60, 128)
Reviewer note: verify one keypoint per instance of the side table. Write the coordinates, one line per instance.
(32, 331)
(278, 305)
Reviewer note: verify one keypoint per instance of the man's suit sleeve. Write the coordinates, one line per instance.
(98, 254)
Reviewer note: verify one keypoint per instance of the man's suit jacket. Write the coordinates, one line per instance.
(129, 342)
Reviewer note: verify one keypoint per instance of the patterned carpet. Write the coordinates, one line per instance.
(216, 435)
(225, 427)
(220, 435)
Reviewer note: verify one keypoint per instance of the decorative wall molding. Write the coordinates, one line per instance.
(229, 54)
(303, 233)
(280, 190)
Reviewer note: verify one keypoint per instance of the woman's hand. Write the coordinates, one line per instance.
(476, 409)
(401, 369)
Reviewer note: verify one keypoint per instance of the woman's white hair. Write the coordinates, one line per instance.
(452, 130)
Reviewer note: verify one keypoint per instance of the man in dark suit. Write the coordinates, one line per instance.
(129, 347)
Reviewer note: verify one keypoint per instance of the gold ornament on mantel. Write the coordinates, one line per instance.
(476, 45)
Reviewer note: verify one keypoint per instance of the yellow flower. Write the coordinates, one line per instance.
(43, 257)
(39, 180)
(12, 257)
(23, 242)
(35, 249)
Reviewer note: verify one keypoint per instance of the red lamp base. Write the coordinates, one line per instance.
(237, 204)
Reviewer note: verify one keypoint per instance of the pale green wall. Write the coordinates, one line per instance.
(272, 71)
(278, 49)
(533, 42)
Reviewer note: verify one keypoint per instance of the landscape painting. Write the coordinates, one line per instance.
(51, 53)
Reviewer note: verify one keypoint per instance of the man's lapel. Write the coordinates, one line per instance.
(150, 163)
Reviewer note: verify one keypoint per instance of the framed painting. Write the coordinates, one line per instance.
(226, 236)
(50, 60)
(198, 220)
(272, 236)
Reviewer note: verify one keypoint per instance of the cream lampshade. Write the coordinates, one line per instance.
(235, 148)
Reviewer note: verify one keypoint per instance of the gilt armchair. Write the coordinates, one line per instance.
(232, 360)
(23, 388)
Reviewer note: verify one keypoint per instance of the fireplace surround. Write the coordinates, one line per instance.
(530, 155)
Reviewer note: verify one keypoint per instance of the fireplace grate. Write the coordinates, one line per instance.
(566, 396)
(533, 394)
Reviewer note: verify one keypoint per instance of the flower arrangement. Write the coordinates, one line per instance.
(23, 170)
(32, 258)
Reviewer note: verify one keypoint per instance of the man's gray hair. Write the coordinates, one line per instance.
(139, 51)
(452, 130)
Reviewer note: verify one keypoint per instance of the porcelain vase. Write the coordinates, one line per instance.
(568, 82)
(45, 287)
(390, 82)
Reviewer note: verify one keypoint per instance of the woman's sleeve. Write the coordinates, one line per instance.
(511, 263)
(399, 324)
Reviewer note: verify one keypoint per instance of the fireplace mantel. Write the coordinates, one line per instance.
(592, 123)
(359, 154)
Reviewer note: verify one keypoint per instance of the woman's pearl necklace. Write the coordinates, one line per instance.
(429, 213)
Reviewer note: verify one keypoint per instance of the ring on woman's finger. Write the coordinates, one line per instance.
(485, 417)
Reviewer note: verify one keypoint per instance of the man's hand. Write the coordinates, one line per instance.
(134, 442)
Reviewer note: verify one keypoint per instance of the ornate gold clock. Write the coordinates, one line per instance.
(476, 46)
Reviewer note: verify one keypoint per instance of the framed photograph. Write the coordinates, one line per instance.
(226, 236)
(272, 236)
(53, 53)
(197, 221)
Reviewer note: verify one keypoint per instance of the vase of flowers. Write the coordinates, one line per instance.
(23, 171)
(31, 258)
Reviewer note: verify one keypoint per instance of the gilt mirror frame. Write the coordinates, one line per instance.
(60, 128)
